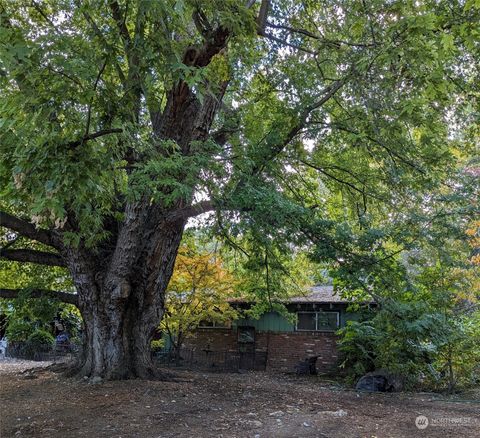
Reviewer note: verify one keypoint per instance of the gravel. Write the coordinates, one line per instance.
(10, 365)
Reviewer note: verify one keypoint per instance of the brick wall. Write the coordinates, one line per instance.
(216, 339)
(285, 349)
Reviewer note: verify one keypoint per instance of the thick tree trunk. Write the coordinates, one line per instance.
(122, 305)
(117, 340)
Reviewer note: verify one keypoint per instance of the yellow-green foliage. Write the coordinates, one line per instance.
(198, 291)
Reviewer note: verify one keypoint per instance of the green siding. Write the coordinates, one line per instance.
(274, 322)
(167, 342)
(270, 321)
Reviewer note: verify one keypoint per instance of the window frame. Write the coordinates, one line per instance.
(316, 312)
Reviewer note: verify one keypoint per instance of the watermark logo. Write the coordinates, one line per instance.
(421, 422)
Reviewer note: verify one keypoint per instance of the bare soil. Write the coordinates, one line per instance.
(42, 403)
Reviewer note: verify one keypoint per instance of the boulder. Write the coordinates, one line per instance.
(379, 381)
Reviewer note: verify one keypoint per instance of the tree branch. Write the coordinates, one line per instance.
(89, 112)
(286, 43)
(329, 92)
(201, 23)
(329, 175)
(74, 144)
(105, 43)
(122, 27)
(32, 256)
(201, 56)
(262, 17)
(221, 136)
(64, 297)
(191, 211)
(336, 43)
(26, 229)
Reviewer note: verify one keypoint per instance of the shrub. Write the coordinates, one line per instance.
(19, 330)
(40, 339)
(157, 344)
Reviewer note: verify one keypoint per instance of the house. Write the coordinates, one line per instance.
(282, 342)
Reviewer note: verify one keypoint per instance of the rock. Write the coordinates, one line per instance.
(339, 413)
(30, 377)
(305, 424)
(276, 414)
(96, 380)
(255, 424)
(379, 381)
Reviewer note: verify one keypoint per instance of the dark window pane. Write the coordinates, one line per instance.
(306, 321)
(246, 335)
(327, 320)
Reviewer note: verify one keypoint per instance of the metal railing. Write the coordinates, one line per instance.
(56, 352)
(212, 360)
(188, 358)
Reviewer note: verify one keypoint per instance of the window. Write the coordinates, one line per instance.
(318, 321)
(246, 335)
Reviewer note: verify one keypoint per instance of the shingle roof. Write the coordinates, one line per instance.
(319, 294)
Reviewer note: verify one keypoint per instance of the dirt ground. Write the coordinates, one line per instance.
(40, 403)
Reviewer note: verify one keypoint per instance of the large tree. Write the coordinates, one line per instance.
(120, 120)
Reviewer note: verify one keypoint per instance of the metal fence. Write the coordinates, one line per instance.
(212, 360)
(188, 358)
(57, 352)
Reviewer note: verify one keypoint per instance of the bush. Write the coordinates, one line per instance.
(19, 330)
(40, 340)
(157, 345)
(357, 345)
(427, 348)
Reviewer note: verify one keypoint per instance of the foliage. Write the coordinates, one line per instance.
(40, 339)
(428, 333)
(267, 274)
(19, 330)
(26, 316)
(157, 345)
(198, 292)
(399, 65)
